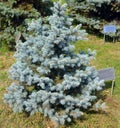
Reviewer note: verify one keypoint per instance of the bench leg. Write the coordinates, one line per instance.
(112, 87)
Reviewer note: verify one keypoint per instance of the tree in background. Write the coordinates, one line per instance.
(14, 16)
(94, 14)
(52, 78)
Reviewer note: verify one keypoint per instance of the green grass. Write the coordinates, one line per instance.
(108, 55)
(63, 1)
(3, 49)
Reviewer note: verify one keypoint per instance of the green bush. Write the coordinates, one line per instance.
(15, 15)
(94, 14)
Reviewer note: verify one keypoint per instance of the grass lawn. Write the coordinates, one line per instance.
(108, 55)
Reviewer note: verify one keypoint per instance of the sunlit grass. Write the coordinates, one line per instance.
(63, 1)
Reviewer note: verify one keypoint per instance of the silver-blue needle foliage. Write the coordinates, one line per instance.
(52, 78)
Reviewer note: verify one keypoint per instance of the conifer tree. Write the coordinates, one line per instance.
(52, 78)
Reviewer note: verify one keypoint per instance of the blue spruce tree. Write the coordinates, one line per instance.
(51, 78)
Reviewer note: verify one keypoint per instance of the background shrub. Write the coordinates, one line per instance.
(94, 14)
(14, 18)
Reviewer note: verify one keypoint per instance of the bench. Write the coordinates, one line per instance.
(109, 29)
(107, 74)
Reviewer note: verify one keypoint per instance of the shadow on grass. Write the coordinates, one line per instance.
(108, 85)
